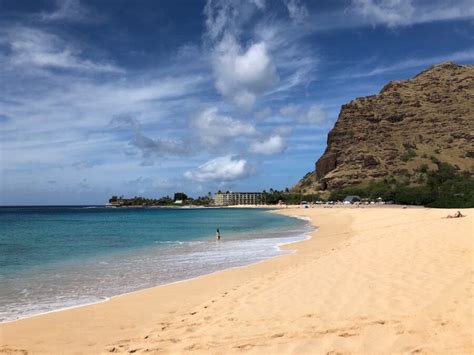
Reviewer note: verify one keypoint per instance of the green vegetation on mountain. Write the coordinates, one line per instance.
(412, 143)
(444, 187)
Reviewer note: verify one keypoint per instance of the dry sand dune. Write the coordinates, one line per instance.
(372, 280)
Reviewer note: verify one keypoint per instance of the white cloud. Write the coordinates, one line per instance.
(221, 169)
(260, 4)
(290, 110)
(390, 12)
(68, 10)
(394, 13)
(256, 55)
(264, 113)
(314, 115)
(242, 75)
(274, 144)
(213, 128)
(34, 47)
(227, 17)
(296, 10)
(461, 56)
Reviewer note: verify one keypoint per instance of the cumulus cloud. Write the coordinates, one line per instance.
(274, 144)
(314, 115)
(222, 169)
(213, 128)
(37, 48)
(243, 69)
(241, 75)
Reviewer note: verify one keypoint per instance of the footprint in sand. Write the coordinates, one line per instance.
(278, 335)
(13, 351)
(244, 346)
(192, 347)
(347, 335)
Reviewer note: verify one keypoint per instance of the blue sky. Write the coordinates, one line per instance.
(152, 97)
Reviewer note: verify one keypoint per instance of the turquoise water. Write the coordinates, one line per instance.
(57, 257)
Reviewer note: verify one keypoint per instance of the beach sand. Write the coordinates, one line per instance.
(371, 280)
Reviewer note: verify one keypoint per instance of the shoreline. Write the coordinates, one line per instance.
(304, 236)
(318, 299)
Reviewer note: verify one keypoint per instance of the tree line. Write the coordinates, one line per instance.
(444, 187)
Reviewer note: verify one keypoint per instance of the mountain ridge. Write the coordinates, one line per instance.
(409, 124)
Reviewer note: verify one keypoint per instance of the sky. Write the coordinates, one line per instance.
(116, 97)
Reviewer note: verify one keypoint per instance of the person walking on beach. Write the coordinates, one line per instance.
(218, 234)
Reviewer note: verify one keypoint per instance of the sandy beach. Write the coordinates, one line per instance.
(370, 280)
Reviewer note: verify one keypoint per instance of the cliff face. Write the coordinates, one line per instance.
(409, 123)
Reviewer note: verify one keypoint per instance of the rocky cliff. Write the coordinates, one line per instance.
(410, 123)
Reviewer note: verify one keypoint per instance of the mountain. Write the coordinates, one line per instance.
(410, 125)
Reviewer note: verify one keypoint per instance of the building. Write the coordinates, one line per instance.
(238, 198)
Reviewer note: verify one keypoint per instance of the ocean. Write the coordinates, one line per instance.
(53, 258)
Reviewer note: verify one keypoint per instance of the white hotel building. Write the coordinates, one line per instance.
(238, 198)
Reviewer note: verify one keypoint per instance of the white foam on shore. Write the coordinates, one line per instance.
(229, 256)
(37, 314)
(303, 218)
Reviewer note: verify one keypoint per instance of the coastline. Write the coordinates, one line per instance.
(290, 303)
(255, 245)
(279, 246)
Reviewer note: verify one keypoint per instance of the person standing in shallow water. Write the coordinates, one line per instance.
(218, 234)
